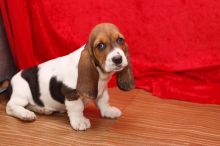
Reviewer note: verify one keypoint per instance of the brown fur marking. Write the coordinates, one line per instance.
(88, 76)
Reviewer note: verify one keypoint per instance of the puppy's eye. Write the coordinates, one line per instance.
(101, 46)
(120, 41)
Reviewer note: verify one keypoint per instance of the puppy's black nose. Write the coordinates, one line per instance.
(117, 59)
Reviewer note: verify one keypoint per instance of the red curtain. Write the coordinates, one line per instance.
(174, 45)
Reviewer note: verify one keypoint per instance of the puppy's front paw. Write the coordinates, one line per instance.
(111, 112)
(80, 123)
(28, 116)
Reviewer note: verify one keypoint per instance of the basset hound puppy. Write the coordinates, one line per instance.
(65, 83)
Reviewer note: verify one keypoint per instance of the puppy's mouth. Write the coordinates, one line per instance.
(118, 68)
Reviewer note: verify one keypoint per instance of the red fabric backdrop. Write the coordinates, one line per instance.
(174, 45)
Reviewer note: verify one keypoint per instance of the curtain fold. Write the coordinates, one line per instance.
(174, 45)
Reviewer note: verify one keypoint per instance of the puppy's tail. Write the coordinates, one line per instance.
(5, 86)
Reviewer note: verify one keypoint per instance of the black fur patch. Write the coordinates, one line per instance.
(59, 91)
(31, 76)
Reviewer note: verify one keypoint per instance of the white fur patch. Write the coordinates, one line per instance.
(16, 109)
(110, 65)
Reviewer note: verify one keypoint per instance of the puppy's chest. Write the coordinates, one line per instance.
(101, 86)
(103, 82)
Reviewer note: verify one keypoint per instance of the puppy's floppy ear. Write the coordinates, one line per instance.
(88, 76)
(125, 79)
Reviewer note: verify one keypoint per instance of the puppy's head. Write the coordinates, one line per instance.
(108, 47)
(107, 50)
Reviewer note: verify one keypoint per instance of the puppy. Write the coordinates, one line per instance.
(64, 83)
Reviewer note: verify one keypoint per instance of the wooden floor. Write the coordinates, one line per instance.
(147, 120)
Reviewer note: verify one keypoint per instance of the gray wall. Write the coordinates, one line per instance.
(7, 67)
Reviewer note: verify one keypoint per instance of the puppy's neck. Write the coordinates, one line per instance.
(104, 75)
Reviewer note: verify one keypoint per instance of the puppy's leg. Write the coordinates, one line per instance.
(39, 110)
(75, 112)
(15, 108)
(106, 109)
